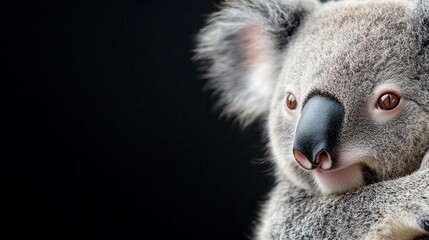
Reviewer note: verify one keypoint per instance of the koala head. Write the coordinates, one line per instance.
(343, 87)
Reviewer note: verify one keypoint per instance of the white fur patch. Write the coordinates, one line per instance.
(400, 226)
(339, 180)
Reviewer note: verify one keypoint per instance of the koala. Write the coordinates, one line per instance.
(342, 89)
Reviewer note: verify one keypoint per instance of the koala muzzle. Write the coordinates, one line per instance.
(317, 134)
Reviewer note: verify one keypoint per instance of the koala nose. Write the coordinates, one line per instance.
(323, 160)
(317, 133)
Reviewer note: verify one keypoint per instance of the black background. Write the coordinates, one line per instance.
(108, 132)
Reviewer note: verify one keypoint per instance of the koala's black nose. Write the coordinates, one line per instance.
(317, 133)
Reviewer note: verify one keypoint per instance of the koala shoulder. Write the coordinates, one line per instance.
(391, 210)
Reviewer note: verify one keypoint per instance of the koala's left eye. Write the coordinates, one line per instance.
(291, 102)
(388, 101)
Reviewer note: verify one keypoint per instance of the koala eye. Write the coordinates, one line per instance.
(291, 102)
(388, 101)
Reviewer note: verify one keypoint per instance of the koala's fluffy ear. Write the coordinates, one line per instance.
(241, 46)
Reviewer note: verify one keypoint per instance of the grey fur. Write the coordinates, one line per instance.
(348, 50)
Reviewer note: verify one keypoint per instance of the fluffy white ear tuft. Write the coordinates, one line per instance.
(259, 66)
(241, 48)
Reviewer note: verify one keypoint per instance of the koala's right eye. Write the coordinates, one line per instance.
(388, 101)
(291, 102)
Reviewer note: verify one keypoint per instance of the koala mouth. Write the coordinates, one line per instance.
(343, 179)
(347, 174)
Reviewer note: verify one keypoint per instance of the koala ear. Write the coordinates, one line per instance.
(241, 47)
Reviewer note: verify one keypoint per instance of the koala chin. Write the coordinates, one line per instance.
(342, 88)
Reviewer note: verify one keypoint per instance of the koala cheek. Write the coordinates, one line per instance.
(281, 126)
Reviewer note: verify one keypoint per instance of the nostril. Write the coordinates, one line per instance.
(303, 160)
(323, 160)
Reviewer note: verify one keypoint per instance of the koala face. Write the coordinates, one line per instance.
(343, 86)
(353, 54)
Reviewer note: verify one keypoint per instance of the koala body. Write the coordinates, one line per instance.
(343, 90)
